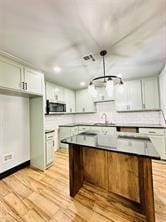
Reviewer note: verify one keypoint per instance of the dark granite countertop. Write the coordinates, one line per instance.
(115, 125)
(133, 145)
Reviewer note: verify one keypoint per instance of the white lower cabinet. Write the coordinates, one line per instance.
(82, 129)
(49, 146)
(158, 138)
(65, 132)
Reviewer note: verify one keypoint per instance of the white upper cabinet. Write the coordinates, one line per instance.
(50, 91)
(150, 93)
(134, 95)
(14, 76)
(102, 95)
(34, 81)
(138, 95)
(59, 93)
(69, 100)
(84, 102)
(10, 74)
(128, 96)
(121, 97)
(54, 92)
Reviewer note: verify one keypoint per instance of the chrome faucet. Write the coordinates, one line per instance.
(104, 115)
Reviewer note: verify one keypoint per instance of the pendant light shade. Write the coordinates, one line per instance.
(110, 87)
(92, 91)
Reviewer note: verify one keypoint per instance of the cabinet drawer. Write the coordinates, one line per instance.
(83, 128)
(74, 131)
(108, 130)
(49, 136)
(151, 131)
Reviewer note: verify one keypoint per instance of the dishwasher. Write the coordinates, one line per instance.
(49, 147)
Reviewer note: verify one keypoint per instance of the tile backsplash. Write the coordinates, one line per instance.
(151, 117)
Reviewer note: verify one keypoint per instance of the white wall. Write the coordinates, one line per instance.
(14, 130)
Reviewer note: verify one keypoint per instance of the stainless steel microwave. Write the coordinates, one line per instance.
(54, 107)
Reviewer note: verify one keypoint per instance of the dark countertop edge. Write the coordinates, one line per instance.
(102, 148)
(117, 125)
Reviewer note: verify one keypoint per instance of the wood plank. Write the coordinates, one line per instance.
(95, 167)
(75, 169)
(123, 175)
(146, 188)
(16, 204)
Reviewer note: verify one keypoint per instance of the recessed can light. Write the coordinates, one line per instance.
(82, 83)
(57, 69)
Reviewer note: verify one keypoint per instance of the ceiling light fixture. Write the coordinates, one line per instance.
(57, 69)
(82, 83)
(107, 80)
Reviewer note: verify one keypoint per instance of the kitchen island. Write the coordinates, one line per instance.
(118, 164)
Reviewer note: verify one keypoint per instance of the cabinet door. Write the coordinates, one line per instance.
(50, 94)
(134, 97)
(10, 74)
(121, 97)
(69, 100)
(82, 129)
(80, 101)
(128, 96)
(102, 95)
(84, 102)
(59, 93)
(50, 152)
(150, 92)
(64, 132)
(34, 81)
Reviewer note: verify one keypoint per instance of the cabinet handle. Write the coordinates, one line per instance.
(71, 110)
(152, 132)
(83, 109)
(25, 85)
(56, 97)
(144, 106)
(22, 85)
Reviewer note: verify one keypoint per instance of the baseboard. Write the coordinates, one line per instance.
(14, 169)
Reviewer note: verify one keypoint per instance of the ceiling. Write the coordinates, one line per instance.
(49, 33)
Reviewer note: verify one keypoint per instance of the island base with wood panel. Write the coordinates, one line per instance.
(127, 178)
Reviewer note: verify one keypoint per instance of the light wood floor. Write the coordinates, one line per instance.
(33, 196)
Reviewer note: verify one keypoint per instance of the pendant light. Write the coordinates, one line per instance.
(108, 80)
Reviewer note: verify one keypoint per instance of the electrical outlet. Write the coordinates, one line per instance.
(8, 157)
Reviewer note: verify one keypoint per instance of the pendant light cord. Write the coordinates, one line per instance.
(104, 67)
